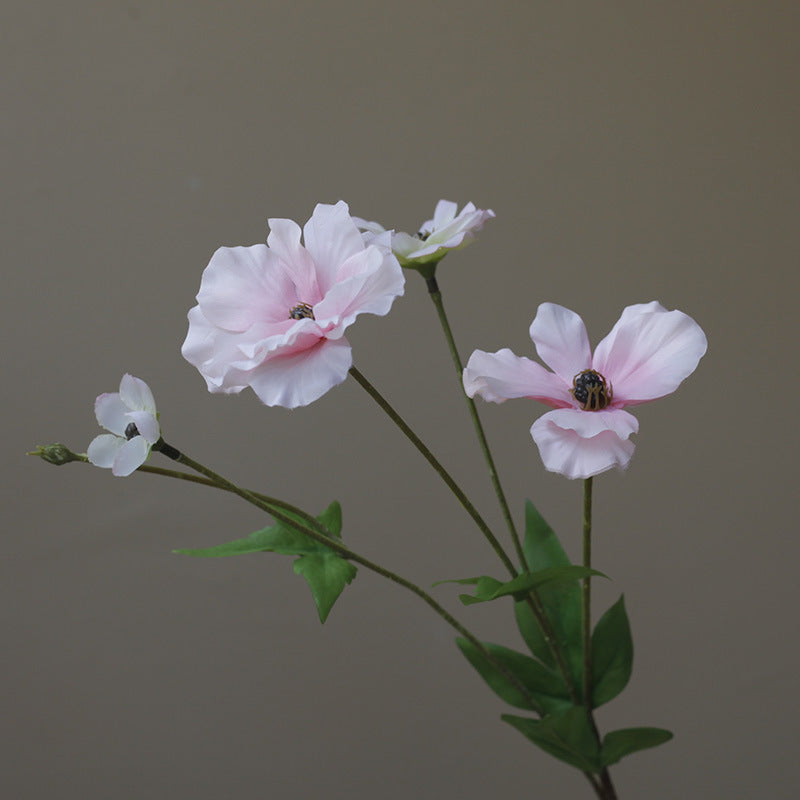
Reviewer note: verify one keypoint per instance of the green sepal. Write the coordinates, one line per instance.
(325, 571)
(546, 689)
(612, 654)
(561, 601)
(621, 743)
(567, 735)
(487, 588)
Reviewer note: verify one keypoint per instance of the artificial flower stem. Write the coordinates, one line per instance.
(347, 553)
(533, 600)
(607, 787)
(586, 616)
(434, 462)
(436, 296)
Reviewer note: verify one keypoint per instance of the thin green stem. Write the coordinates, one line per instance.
(441, 471)
(344, 551)
(436, 296)
(587, 594)
(534, 600)
(606, 789)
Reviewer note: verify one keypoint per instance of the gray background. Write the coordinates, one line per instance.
(632, 151)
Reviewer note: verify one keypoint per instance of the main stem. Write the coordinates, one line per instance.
(606, 789)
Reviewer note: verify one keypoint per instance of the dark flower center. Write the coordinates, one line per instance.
(131, 431)
(423, 235)
(302, 311)
(590, 389)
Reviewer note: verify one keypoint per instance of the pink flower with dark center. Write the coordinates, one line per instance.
(647, 355)
(273, 316)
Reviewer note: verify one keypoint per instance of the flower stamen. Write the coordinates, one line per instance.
(131, 431)
(301, 311)
(591, 390)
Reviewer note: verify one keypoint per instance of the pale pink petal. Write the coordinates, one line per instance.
(580, 444)
(444, 213)
(103, 450)
(371, 292)
(649, 352)
(111, 412)
(146, 424)
(242, 285)
(284, 241)
(561, 340)
(303, 377)
(407, 246)
(136, 394)
(130, 456)
(331, 237)
(502, 375)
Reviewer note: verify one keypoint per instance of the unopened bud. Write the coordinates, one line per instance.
(57, 454)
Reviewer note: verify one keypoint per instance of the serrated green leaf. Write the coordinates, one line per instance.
(546, 689)
(325, 571)
(566, 735)
(561, 601)
(326, 574)
(621, 743)
(491, 589)
(612, 654)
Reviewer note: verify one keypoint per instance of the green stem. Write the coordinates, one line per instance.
(434, 462)
(606, 790)
(534, 600)
(436, 296)
(587, 594)
(344, 551)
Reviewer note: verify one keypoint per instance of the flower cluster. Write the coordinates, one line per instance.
(647, 355)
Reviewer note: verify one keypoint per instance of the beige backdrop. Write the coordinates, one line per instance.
(631, 150)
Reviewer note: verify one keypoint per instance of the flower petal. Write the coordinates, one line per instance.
(580, 444)
(377, 281)
(331, 237)
(136, 394)
(103, 450)
(130, 457)
(243, 285)
(284, 241)
(500, 376)
(649, 352)
(111, 412)
(302, 377)
(561, 340)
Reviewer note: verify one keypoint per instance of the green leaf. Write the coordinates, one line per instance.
(546, 689)
(612, 654)
(325, 571)
(561, 601)
(566, 735)
(621, 743)
(490, 588)
(326, 574)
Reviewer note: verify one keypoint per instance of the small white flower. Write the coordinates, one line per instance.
(130, 415)
(446, 231)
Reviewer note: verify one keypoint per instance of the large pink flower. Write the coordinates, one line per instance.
(273, 316)
(647, 354)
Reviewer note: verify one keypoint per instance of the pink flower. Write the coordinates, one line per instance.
(647, 354)
(448, 230)
(273, 316)
(130, 415)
